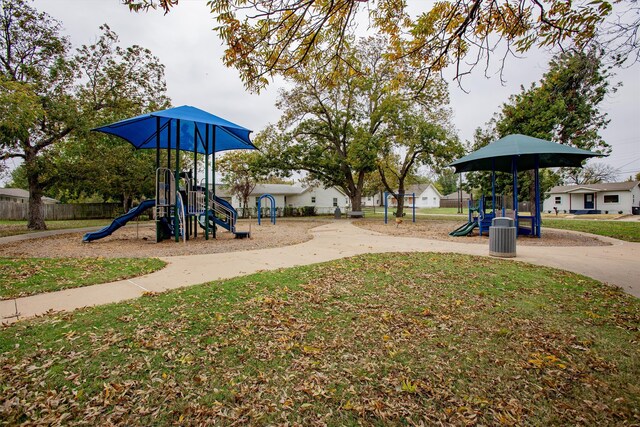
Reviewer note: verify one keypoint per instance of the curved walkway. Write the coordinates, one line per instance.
(617, 265)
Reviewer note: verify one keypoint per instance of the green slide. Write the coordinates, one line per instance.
(464, 229)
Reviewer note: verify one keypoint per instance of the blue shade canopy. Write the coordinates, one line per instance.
(143, 131)
(524, 149)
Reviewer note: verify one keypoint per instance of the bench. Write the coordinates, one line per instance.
(355, 214)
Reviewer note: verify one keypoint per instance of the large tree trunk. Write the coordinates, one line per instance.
(356, 201)
(126, 202)
(400, 206)
(36, 213)
(400, 199)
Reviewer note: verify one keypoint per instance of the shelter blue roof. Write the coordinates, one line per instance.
(160, 129)
(527, 151)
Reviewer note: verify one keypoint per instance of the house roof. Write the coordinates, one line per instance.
(454, 196)
(21, 194)
(273, 189)
(285, 189)
(420, 188)
(607, 186)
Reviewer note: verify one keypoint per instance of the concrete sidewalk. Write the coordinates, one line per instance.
(617, 265)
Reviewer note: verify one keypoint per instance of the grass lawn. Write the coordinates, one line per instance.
(627, 231)
(379, 211)
(438, 211)
(27, 276)
(11, 228)
(388, 339)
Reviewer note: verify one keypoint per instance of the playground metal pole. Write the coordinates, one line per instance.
(167, 175)
(196, 134)
(414, 206)
(169, 148)
(493, 186)
(206, 182)
(213, 169)
(176, 218)
(157, 189)
(385, 207)
(514, 168)
(537, 202)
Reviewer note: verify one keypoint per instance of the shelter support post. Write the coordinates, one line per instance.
(195, 177)
(414, 206)
(176, 218)
(386, 206)
(538, 215)
(493, 186)
(213, 168)
(158, 234)
(514, 168)
(206, 182)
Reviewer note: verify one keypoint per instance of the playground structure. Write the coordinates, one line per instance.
(511, 154)
(272, 210)
(479, 217)
(182, 203)
(413, 205)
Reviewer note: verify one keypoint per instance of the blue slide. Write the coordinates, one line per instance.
(119, 221)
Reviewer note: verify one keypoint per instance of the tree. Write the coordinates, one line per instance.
(334, 131)
(242, 170)
(413, 138)
(447, 181)
(592, 173)
(48, 94)
(564, 107)
(264, 37)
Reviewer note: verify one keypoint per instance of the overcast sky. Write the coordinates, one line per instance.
(185, 43)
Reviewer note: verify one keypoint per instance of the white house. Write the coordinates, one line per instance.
(427, 196)
(373, 200)
(18, 195)
(325, 200)
(613, 197)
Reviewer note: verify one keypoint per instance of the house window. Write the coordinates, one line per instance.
(611, 198)
(313, 199)
(335, 202)
(558, 200)
(424, 198)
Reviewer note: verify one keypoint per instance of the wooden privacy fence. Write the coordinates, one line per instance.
(449, 203)
(19, 211)
(508, 203)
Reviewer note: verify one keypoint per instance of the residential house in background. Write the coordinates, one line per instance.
(18, 195)
(612, 197)
(325, 200)
(427, 196)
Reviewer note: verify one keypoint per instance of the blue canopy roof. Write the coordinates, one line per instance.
(142, 131)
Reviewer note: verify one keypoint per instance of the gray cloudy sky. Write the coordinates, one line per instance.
(190, 50)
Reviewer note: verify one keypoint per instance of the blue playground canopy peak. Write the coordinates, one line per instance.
(159, 129)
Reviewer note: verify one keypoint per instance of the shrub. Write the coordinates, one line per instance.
(309, 211)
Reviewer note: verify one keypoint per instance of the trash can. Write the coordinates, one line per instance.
(502, 238)
(635, 210)
(337, 213)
